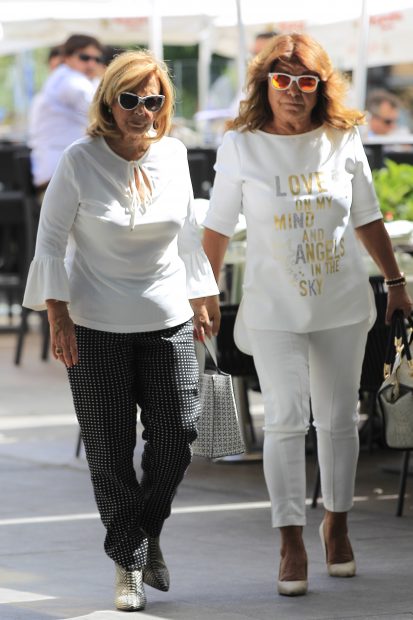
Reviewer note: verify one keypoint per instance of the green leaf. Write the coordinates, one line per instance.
(394, 188)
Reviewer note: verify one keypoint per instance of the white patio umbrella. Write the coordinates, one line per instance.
(36, 20)
(345, 27)
(218, 25)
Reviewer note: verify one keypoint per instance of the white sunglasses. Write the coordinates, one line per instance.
(283, 81)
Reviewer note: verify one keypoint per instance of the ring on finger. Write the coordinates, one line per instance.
(59, 350)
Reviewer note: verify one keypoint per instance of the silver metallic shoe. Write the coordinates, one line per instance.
(156, 573)
(129, 592)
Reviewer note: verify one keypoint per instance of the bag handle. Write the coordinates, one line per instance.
(201, 350)
(397, 337)
(389, 347)
(211, 350)
(404, 339)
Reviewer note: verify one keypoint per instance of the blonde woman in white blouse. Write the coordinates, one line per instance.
(293, 163)
(121, 270)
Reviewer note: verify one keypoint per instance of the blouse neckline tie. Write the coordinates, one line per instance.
(138, 201)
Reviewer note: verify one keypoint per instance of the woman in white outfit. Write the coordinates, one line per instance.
(120, 267)
(294, 164)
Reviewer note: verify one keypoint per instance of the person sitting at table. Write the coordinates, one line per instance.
(384, 114)
(293, 163)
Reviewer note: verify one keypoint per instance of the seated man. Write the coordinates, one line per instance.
(384, 114)
(385, 123)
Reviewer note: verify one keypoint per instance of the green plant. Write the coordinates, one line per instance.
(394, 188)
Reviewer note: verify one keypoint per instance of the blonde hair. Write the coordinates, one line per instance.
(255, 111)
(126, 73)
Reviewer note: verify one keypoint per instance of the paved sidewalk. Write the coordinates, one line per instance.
(220, 548)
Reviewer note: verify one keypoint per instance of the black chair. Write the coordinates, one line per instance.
(79, 443)
(23, 179)
(377, 154)
(374, 153)
(201, 168)
(8, 177)
(24, 328)
(372, 369)
(23, 171)
(400, 157)
(16, 245)
(370, 382)
(404, 472)
(7, 170)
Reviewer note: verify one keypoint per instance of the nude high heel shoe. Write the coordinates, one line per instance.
(292, 575)
(296, 587)
(342, 569)
(293, 588)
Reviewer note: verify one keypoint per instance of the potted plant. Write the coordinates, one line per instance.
(394, 188)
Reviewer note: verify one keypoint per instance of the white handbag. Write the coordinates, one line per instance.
(395, 395)
(241, 331)
(218, 427)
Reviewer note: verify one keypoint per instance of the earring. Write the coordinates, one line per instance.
(110, 110)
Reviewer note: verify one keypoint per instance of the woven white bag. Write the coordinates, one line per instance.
(218, 427)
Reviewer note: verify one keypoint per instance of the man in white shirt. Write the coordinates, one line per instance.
(54, 59)
(62, 117)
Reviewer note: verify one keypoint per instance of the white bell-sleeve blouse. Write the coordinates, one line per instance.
(123, 264)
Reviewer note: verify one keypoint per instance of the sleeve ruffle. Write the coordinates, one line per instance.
(47, 279)
(200, 280)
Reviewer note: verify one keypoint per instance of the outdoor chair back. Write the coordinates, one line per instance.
(16, 245)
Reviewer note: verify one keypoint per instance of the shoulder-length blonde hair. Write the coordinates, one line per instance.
(126, 73)
(255, 111)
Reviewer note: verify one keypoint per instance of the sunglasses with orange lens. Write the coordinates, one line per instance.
(283, 81)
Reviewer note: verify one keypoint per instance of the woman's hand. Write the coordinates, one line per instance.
(62, 333)
(202, 325)
(398, 299)
(377, 242)
(214, 312)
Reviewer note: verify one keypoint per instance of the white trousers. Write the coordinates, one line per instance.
(326, 366)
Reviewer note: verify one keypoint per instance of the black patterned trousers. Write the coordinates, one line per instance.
(158, 371)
